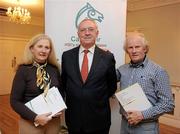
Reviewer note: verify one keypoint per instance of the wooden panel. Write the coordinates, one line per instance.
(11, 53)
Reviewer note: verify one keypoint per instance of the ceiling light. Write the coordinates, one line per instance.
(18, 14)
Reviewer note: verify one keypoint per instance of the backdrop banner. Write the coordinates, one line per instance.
(63, 16)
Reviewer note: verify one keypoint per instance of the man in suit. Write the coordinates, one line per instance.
(87, 97)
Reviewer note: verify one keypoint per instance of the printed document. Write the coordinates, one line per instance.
(133, 98)
(53, 102)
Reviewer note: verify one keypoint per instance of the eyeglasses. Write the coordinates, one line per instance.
(89, 29)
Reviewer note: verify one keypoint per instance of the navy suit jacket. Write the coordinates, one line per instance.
(88, 105)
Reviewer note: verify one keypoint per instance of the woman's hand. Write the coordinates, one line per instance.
(57, 114)
(43, 119)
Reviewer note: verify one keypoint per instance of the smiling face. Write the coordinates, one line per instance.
(136, 49)
(41, 50)
(87, 33)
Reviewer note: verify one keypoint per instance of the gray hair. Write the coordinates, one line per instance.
(88, 19)
(139, 36)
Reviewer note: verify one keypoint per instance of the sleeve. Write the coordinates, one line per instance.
(60, 83)
(118, 74)
(112, 79)
(63, 74)
(165, 102)
(17, 96)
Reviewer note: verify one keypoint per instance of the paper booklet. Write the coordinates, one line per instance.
(133, 98)
(53, 102)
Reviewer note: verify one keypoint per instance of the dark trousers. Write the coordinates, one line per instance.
(103, 131)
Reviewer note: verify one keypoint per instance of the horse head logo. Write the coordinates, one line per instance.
(88, 12)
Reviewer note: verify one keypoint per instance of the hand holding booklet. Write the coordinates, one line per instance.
(133, 98)
(52, 102)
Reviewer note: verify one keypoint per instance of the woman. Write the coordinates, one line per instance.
(38, 72)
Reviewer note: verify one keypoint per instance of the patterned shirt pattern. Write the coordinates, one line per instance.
(154, 81)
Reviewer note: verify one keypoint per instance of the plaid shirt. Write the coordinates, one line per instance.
(154, 81)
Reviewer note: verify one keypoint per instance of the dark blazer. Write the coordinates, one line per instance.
(88, 103)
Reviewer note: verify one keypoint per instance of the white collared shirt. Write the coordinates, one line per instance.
(90, 55)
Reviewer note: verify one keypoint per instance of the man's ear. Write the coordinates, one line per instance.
(146, 49)
(97, 32)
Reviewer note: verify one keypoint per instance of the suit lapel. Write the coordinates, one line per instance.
(96, 60)
(76, 63)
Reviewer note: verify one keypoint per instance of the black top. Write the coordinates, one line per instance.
(24, 88)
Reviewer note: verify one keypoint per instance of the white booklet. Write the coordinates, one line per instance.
(53, 102)
(133, 98)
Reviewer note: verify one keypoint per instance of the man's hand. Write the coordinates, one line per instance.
(134, 117)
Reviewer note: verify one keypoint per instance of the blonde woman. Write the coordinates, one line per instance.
(38, 72)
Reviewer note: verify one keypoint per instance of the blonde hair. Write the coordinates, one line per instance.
(141, 38)
(28, 57)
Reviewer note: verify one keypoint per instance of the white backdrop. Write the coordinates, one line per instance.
(63, 16)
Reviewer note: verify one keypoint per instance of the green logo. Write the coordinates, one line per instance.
(88, 12)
